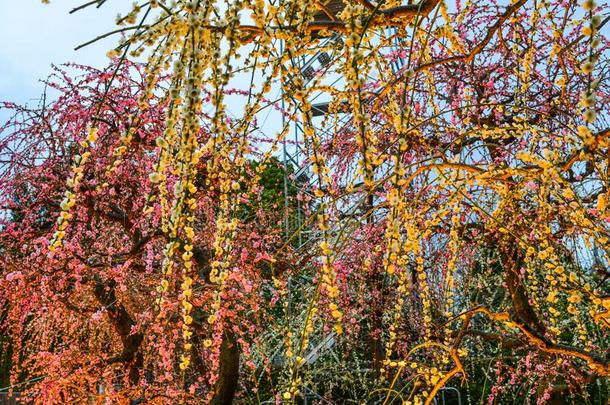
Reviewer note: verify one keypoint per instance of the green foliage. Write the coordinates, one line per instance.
(275, 181)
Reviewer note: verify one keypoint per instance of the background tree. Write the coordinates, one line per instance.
(92, 305)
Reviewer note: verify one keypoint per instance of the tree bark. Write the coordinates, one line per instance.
(512, 260)
(123, 323)
(228, 375)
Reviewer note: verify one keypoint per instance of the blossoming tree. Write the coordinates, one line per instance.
(458, 209)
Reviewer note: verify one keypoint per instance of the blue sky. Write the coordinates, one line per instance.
(35, 35)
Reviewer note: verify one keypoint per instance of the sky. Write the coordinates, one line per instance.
(35, 35)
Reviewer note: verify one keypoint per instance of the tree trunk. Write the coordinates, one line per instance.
(228, 375)
(122, 322)
(512, 260)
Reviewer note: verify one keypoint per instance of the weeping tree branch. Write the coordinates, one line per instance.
(596, 362)
(491, 32)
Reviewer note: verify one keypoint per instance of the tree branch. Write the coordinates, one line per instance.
(595, 361)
